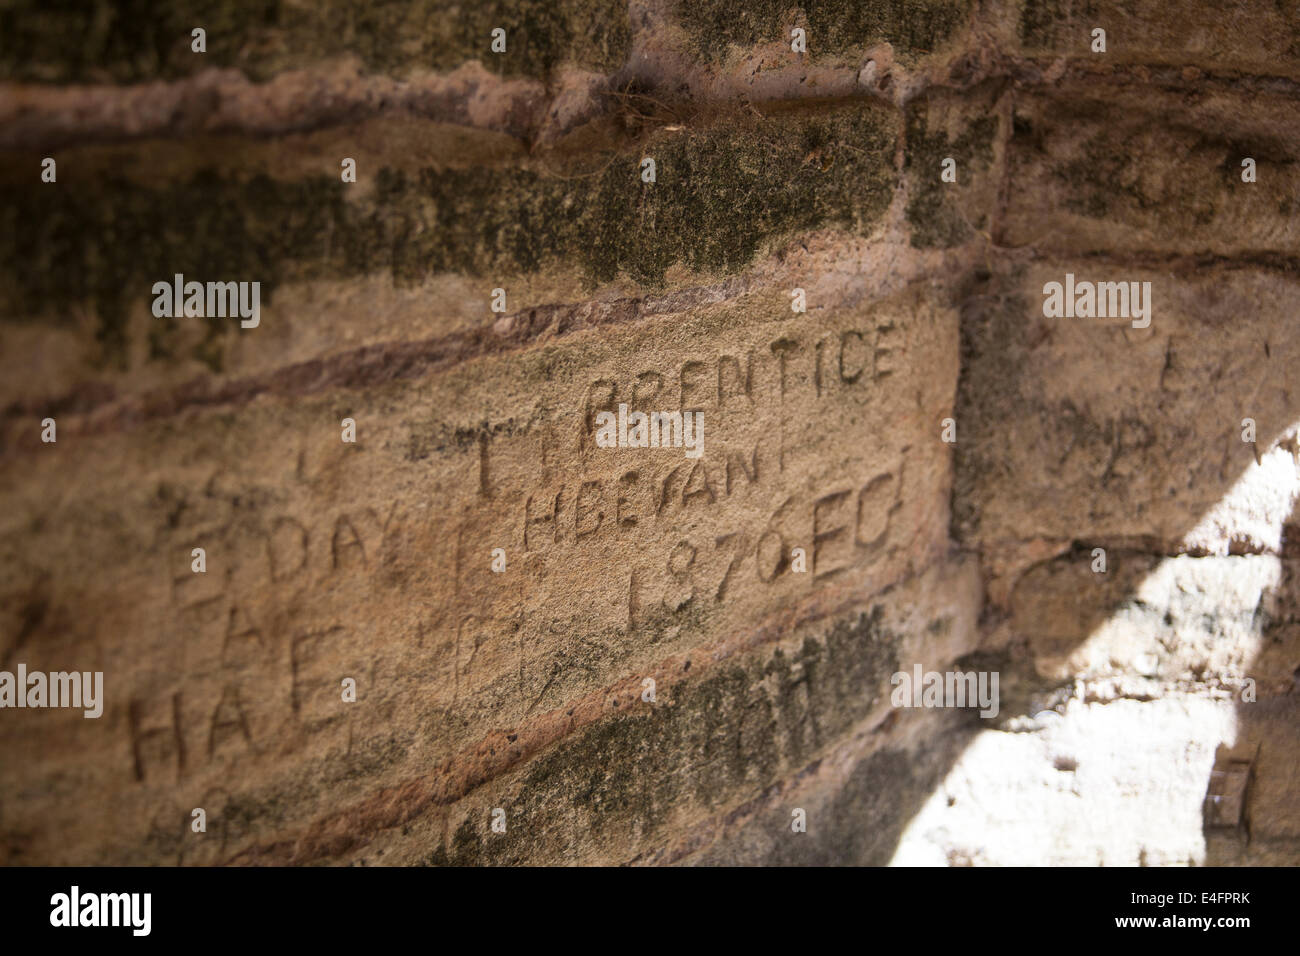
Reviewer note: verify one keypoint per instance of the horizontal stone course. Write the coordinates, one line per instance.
(945, 456)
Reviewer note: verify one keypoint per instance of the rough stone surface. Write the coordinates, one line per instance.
(1126, 694)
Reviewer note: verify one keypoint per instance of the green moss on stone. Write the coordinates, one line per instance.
(859, 825)
(722, 197)
(65, 246)
(714, 740)
(133, 40)
(994, 356)
(912, 27)
(932, 210)
(1043, 22)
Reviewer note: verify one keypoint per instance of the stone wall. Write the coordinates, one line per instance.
(647, 671)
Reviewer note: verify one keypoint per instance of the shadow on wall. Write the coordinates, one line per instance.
(1132, 696)
(1149, 713)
